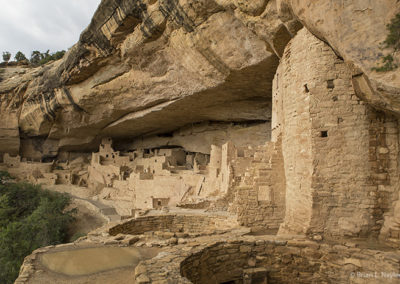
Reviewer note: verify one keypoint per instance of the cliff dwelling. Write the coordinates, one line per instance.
(227, 141)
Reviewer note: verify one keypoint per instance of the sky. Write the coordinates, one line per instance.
(27, 25)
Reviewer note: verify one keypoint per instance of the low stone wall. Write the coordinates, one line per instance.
(283, 262)
(256, 214)
(276, 259)
(199, 224)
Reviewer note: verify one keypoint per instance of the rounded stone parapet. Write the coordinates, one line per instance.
(274, 259)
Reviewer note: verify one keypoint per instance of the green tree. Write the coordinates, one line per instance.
(58, 54)
(36, 57)
(6, 56)
(19, 56)
(30, 217)
(46, 57)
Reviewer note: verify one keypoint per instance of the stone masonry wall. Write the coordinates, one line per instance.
(286, 262)
(260, 198)
(294, 125)
(341, 188)
(173, 223)
(280, 260)
(339, 169)
(385, 159)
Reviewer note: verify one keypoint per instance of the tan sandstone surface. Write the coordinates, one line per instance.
(355, 30)
(247, 141)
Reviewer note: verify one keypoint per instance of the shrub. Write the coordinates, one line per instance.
(388, 64)
(38, 58)
(393, 38)
(392, 41)
(30, 217)
(4, 177)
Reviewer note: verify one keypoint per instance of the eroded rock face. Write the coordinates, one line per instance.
(147, 67)
(152, 67)
(355, 30)
(200, 137)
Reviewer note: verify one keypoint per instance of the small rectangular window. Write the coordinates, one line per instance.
(330, 84)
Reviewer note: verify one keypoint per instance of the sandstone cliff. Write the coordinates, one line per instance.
(355, 30)
(150, 67)
(267, 111)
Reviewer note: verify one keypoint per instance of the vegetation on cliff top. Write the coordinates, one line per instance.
(392, 41)
(6, 56)
(37, 58)
(30, 218)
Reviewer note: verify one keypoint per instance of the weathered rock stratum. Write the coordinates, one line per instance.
(355, 30)
(150, 67)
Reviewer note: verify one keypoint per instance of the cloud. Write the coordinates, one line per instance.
(28, 25)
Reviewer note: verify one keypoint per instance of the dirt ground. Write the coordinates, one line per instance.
(86, 221)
